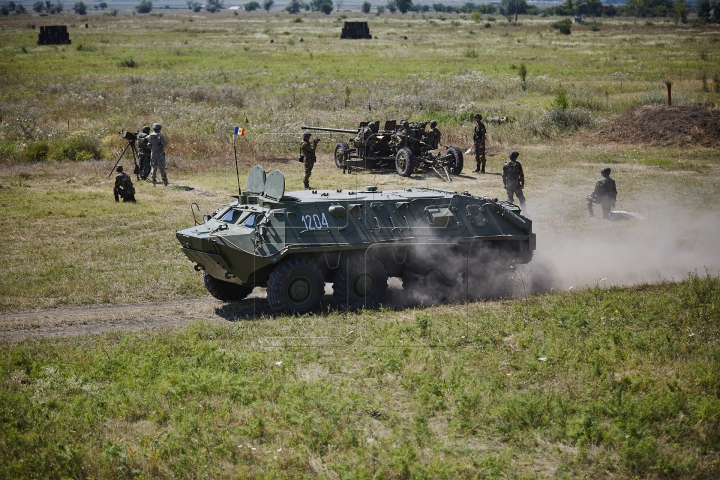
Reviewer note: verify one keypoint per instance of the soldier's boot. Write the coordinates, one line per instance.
(477, 169)
(117, 199)
(165, 182)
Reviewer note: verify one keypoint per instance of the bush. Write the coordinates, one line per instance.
(563, 26)
(38, 151)
(76, 147)
(566, 120)
(129, 63)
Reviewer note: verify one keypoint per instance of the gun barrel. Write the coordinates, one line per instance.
(324, 129)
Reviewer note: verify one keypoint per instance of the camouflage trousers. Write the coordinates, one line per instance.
(127, 195)
(517, 191)
(480, 157)
(308, 171)
(144, 165)
(157, 160)
(606, 204)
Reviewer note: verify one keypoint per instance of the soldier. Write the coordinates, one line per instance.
(402, 136)
(605, 194)
(514, 179)
(157, 144)
(123, 186)
(144, 153)
(307, 149)
(479, 139)
(432, 136)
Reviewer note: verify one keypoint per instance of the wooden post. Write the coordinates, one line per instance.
(668, 84)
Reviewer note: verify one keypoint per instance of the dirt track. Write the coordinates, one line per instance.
(66, 322)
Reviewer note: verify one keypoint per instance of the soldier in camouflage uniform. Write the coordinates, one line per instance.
(433, 136)
(479, 139)
(157, 144)
(402, 137)
(514, 179)
(144, 153)
(605, 194)
(307, 149)
(123, 186)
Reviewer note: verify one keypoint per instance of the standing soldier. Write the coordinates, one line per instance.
(123, 186)
(307, 150)
(514, 179)
(605, 194)
(432, 136)
(144, 153)
(157, 144)
(479, 139)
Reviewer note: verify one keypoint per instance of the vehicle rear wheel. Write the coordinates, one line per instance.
(295, 286)
(405, 162)
(457, 164)
(225, 291)
(360, 281)
(435, 281)
(341, 154)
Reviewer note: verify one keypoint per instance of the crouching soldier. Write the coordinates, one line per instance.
(123, 186)
(605, 194)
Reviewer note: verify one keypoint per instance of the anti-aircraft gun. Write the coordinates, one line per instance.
(392, 147)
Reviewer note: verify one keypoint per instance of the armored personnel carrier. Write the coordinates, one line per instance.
(438, 242)
(407, 151)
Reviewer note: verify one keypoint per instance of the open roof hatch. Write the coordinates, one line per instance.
(256, 181)
(275, 185)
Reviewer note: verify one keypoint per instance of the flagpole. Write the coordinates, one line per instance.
(237, 169)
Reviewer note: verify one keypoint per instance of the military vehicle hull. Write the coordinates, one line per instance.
(437, 241)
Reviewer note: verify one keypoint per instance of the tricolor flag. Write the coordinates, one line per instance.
(240, 131)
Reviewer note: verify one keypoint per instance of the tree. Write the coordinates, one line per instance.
(339, 4)
(326, 7)
(507, 7)
(267, 5)
(438, 7)
(20, 9)
(391, 6)
(251, 6)
(80, 8)
(145, 6)
(709, 10)
(404, 5)
(102, 5)
(366, 7)
(681, 11)
(380, 9)
(293, 6)
(213, 6)
(38, 6)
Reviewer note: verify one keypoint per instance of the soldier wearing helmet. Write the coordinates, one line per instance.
(479, 146)
(307, 155)
(514, 179)
(432, 136)
(144, 152)
(403, 136)
(605, 194)
(123, 186)
(157, 143)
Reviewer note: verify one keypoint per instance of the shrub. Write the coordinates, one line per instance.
(129, 63)
(77, 146)
(561, 101)
(38, 151)
(567, 119)
(563, 26)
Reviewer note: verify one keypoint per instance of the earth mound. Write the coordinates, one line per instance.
(688, 124)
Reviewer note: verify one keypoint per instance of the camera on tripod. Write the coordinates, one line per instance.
(129, 136)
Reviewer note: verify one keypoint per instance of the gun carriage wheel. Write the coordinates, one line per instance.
(341, 154)
(405, 162)
(295, 286)
(360, 281)
(225, 291)
(457, 164)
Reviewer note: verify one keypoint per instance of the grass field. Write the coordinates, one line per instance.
(614, 374)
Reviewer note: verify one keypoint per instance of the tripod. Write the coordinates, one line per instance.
(131, 138)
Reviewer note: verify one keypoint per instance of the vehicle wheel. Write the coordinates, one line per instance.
(295, 286)
(225, 291)
(341, 154)
(435, 282)
(457, 164)
(360, 281)
(405, 162)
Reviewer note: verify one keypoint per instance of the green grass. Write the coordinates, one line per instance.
(495, 392)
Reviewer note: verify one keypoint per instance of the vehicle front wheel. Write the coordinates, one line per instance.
(457, 163)
(405, 162)
(341, 154)
(295, 286)
(360, 281)
(225, 291)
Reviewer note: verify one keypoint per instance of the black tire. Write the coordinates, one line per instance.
(341, 154)
(295, 286)
(432, 282)
(457, 165)
(405, 162)
(225, 291)
(360, 281)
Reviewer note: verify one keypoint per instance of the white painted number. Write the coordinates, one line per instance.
(315, 221)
